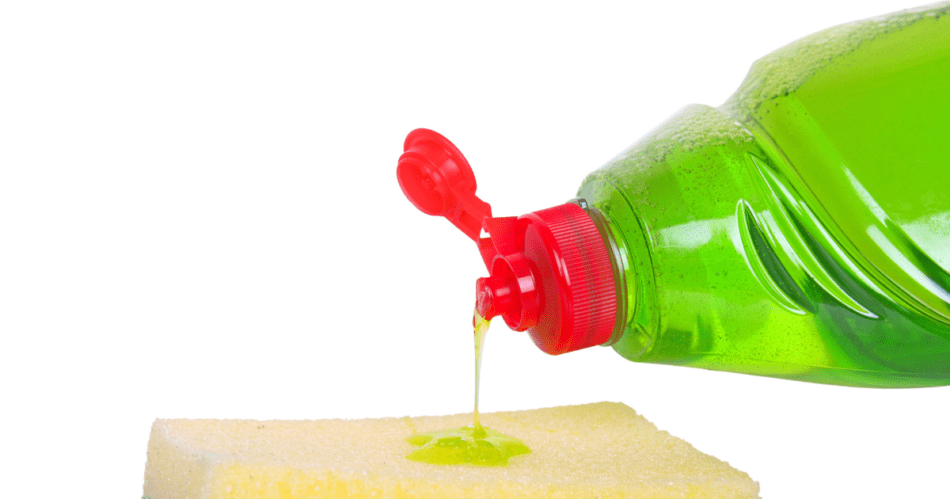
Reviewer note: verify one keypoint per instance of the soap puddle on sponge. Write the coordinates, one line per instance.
(469, 444)
(466, 445)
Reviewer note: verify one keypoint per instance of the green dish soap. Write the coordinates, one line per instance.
(469, 444)
(801, 230)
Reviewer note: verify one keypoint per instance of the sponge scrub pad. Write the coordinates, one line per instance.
(603, 450)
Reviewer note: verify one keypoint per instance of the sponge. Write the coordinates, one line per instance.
(603, 450)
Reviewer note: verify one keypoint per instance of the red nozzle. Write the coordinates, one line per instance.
(510, 291)
(550, 270)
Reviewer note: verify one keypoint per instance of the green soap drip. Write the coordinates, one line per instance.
(480, 325)
(469, 444)
(466, 445)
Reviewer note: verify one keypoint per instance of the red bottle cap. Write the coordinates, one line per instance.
(550, 271)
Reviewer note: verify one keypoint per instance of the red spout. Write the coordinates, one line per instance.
(511, 291)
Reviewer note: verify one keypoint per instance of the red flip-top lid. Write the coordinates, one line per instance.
(550, 271)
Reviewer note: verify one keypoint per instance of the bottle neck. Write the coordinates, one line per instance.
(616, 264)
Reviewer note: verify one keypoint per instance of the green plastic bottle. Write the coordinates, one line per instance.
(801, 230)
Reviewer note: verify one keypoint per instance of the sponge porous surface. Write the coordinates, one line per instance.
(603, 450)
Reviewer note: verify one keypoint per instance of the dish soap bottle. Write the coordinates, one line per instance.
(801, 230)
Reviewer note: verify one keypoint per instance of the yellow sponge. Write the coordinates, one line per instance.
(602, 450)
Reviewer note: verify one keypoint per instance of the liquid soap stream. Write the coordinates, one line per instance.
(480, 325)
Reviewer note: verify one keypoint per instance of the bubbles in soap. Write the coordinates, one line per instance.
(786, 69)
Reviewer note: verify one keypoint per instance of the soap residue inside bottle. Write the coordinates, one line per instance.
(469, 444)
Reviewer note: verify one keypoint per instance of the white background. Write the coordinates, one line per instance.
(199, 217)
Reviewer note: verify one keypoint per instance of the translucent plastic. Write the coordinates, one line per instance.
(802, 229)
